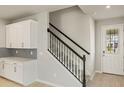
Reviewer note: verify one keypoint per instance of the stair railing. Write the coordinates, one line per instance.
(68, 57)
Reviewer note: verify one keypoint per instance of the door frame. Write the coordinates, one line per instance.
(102, 45)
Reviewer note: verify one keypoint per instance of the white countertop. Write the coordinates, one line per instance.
(16, 59)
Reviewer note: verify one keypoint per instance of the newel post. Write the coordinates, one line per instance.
(84, 72)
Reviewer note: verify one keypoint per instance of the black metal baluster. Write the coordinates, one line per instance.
(78, 68)
(59, 50)
(55, 47)
(84, 74)
(64, 55)
(62, 52)
(72, 62)
(67, 59)
(50, 41)
(53, 44)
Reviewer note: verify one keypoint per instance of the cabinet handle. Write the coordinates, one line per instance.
(3, 66)
(22, 44)
(10, 44)
(14, 69)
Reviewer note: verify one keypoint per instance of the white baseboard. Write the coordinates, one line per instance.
(48, 83)
(92, 76)
(98, 71)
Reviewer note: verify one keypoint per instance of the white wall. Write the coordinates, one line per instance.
(74, 23)
(92, 47)
(54, 72)
(80, 28)
(98, 25)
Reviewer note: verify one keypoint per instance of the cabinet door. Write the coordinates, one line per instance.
(8, 70)
(1, 68)
(18, 72)
(11, 36)
(8, 36)
(19, 34)
(25, 34)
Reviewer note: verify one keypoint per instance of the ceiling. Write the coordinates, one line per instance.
(99, 12)
(10, 12)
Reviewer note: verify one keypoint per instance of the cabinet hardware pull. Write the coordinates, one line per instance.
(22, 44)
(14, 69)
(10, 44)
(3, 66)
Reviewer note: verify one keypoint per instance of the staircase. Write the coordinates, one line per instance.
(68, 57)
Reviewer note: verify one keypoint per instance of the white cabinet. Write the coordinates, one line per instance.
(18, 73)
(23, 72)
(8, 70)
(1, 68)
(3, 33)
(22, 34)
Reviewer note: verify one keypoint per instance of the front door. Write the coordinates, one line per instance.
(112, 49)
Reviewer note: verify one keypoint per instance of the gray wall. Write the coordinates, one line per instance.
(99, 24)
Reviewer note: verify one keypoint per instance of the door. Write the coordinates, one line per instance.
(112, 49)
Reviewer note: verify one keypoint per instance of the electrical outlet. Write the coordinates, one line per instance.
(31, 53)
(54, 74)
(16, 51)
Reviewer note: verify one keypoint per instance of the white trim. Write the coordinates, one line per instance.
(102, 44)
(92, 76)
(48, 83)
(98, 71)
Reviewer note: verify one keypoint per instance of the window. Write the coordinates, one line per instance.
(112, 39)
